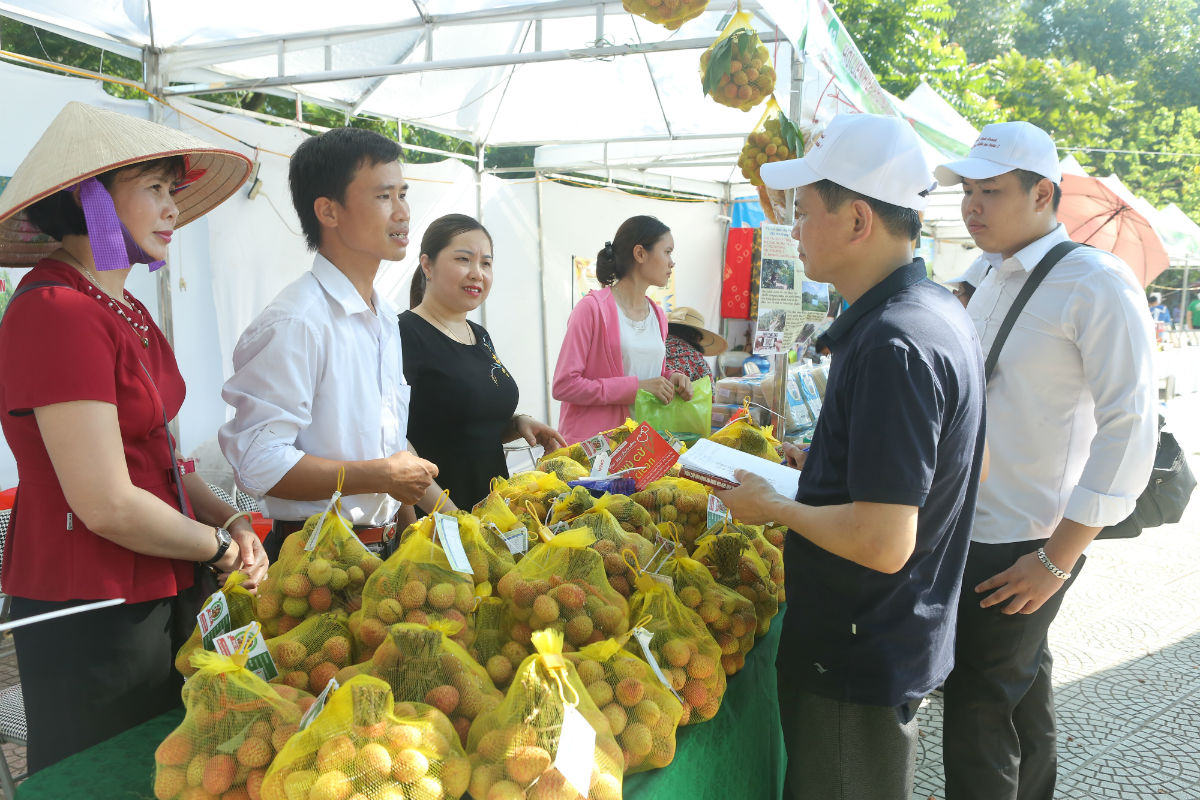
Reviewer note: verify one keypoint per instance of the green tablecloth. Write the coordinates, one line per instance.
(738, 753)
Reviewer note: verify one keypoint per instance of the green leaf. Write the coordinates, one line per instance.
(718, 64)
(791, 136)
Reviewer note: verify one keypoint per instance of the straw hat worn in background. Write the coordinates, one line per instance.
(84, 141)
(710, 343)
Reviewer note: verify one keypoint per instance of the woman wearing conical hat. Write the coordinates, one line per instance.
(87, 386)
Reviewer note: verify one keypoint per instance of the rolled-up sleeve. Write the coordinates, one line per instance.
(276, 368)
(1115, 340)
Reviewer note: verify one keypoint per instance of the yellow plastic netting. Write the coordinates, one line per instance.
(240, 605)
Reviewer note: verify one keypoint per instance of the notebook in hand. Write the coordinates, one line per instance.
(715, 464)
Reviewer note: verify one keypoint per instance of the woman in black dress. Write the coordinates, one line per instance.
(463, 397)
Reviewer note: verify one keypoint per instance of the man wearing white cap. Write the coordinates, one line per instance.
(1072, 430)
(881, 521)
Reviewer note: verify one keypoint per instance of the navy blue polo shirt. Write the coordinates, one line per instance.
(902, 423)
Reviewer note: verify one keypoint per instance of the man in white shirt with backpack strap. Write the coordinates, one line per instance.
(1071, 421)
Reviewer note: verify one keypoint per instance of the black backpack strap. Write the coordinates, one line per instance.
(1035, 278)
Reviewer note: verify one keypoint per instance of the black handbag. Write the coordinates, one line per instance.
(1171, 481)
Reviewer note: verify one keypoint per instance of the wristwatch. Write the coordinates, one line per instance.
(223, 542)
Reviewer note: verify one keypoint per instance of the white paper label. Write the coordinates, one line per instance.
(213, 619)
(451, 540)
(516, 540)
(258, 657)
(665, 580)
(318, 706)
(596, 444)
(600, 465)
(576, 750)
(716, 510)
(643, 637)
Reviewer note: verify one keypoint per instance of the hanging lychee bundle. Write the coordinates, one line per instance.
(561, 584)
(774, 138)
(362, 745)
(642, 712)
(678, 501)
(682, 647)
(734, 563)
(234, 609)
(729, 617)
(424, 665)
(488, 562)
(321, 567)
(520, 749)
(736, 69)
(415, 584)
(494, 648)
(668, 13)
(233, 725)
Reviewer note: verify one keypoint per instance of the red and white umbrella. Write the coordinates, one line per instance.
(1095, 214)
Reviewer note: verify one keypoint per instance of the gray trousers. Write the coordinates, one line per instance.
(846, 751)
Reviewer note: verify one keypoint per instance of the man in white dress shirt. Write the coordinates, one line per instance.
(318, 381)
(1071, 422)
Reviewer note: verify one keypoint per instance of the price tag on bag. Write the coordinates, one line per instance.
(214, 619)
(517, 541)
(450, 538)
(643, 637)
(576, 750)
(716, 511)
(600, 465)
(258, 657)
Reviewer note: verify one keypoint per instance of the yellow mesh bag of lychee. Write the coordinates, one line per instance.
(314, 651)
(742, 434)
(733, 562)
(561, 584)
(494, 647)
(415, 584)
(423, 664)
(736, 69)
(684, 649)
(642, 712)
(240, 605)
(488, 562)
(514, 746)
(771, 555)
(668, 13)
(492, 509)
(234, 724)
(321, 567)
(611, 541)
(570, 504)
(363, 745)
(565, 468)
(730, 618)
(679, 501)
(629, 515)
(533, 491)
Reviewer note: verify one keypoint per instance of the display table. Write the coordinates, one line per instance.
(738, 753)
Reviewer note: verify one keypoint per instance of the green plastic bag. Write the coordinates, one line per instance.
(679, 415)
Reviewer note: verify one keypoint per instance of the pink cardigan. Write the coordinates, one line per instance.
(589, 378)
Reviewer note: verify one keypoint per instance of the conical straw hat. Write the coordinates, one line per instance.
(84, 141)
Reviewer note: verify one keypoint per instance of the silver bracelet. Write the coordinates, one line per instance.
(1048, 564)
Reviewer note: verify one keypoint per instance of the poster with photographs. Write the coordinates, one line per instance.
(791, 308)
(583, 280)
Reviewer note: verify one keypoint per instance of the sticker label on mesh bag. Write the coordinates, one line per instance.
(213, 619)
(576, 750)
(258, 657)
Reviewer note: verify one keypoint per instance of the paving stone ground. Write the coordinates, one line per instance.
(1126, 648)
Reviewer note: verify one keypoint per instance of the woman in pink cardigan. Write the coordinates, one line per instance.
(615, 341)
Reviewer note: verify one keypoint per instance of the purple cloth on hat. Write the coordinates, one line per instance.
(113, 246)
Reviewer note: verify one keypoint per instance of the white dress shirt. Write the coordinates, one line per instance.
(317, 372)
(1072, 409)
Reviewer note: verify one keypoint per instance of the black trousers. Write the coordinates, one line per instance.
(998, 722)
(846, 751)
(89, 676)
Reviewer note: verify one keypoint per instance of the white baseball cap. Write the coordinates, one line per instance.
(873, 155)
(1003, 147)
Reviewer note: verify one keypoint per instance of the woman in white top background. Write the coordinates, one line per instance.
(615, 339)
